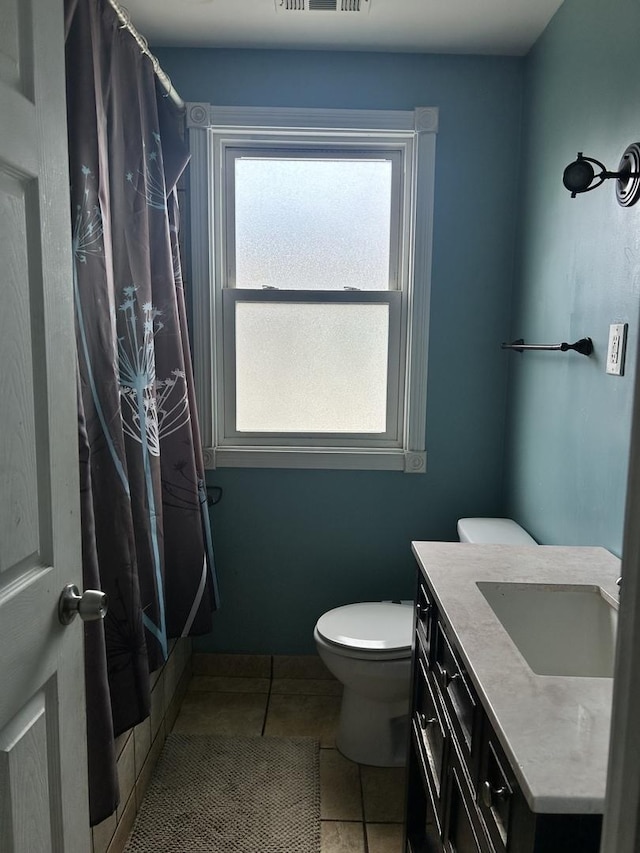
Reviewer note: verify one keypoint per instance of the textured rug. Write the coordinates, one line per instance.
(231, 795)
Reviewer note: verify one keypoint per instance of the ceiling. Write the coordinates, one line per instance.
(507, 27)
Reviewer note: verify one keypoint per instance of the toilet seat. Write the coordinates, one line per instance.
(374, 628)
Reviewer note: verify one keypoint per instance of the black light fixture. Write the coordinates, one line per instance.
(581, 177)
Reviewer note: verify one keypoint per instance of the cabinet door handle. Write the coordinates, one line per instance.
(425, 721)
(448, 677)
(488, 793)
(422, 611)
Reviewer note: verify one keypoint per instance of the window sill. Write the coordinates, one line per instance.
(408, 461)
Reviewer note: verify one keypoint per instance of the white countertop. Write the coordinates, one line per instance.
(554, 729)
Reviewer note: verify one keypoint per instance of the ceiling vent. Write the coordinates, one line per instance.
(323, 5)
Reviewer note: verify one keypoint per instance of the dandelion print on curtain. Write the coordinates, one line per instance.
(146, 537)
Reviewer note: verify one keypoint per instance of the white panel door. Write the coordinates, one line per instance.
(43, 788)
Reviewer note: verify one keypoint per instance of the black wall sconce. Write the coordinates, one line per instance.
(581, 177)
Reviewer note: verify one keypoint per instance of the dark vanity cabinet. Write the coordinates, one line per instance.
(462, 794)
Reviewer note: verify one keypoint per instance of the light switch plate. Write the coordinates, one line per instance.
(616, 349)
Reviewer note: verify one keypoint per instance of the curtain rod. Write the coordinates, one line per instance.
(165, 80)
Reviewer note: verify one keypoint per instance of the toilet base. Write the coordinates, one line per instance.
(372, 732)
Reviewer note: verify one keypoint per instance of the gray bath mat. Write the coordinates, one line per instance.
(231, 795)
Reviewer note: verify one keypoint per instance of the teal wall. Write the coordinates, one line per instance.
(579, 271)
(291, 544)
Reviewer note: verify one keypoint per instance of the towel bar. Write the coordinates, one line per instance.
(584, 346)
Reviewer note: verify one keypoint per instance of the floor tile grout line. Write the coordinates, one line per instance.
(266, 710)
(364, 816)
(339, 820)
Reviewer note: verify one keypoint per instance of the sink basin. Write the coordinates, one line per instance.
(558, 629)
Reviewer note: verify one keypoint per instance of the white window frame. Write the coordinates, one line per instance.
(213, 131)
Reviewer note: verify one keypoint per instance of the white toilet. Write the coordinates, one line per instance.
(367, 647)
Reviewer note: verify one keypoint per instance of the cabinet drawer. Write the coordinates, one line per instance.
(431, 730)
(423, 826)
(464, 829)
(425, 822)
(496, 790)
(458, 696)
(425, 618)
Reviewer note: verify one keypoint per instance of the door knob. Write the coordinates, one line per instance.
(91, 605)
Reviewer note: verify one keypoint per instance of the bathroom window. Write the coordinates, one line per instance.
(311, 277)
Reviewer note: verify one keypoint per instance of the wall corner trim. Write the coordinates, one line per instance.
(198, 114)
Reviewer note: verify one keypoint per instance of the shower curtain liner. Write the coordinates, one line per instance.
(145, 522)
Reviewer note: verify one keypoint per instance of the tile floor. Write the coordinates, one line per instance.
(361, 806)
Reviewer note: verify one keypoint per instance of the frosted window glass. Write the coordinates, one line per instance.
(312, 224)
(311, 368)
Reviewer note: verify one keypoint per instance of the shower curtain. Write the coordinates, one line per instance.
(146, 536)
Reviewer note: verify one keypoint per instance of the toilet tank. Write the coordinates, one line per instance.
(496, 531)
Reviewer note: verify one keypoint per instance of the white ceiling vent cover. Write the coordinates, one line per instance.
(323, 5)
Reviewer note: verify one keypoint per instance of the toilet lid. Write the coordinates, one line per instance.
(374, 625)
